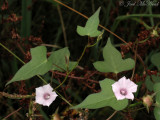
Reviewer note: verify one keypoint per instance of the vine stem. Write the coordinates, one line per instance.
(20, 60)
(72, 68)
(112, 115)
(12, 113)
(87, 18)
(139, 57)
(12, 53)
(37, 75)
(135, 59)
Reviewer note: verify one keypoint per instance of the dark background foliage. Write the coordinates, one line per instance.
(44, 19)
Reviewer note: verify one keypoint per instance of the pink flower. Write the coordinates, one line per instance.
(124, 88)
(44, 95)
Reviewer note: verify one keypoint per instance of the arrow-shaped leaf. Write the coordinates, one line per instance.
(91, 26)
(60, 60)
(113, 61)
(104, 98)
(38, 65)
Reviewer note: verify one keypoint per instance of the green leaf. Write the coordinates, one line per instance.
(149, 83)
(156, 87)
(155, 59)
(157, 91)
(60, 60)
(104, 98)
(91, 26)
(113, 61)
(157, 113)
(38, 65)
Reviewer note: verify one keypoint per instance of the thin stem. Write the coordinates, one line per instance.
(12, 53)
(151, 18)
(62, 23)
(48, 45)
(112, 115)
(37, 75)
(105, 27)
(75, 77)
(87, 18)
(142, 22)
(135, 104)
(72, 68)
(64, 99)
(137, 109)
(20, 60)
(12, 113)
(135, 59)
(116, 74)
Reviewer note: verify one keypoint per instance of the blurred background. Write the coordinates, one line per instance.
(25, 24)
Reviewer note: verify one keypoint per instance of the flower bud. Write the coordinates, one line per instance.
(154, 33)
(147, 101)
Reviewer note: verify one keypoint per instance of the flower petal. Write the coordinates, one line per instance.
(126, 84)
(132, 86)
(115, 87)
(41, 92)
(47, 88)
(39, 99)
(51, 99)
(119, 96)
(122, 82)
(130, 96)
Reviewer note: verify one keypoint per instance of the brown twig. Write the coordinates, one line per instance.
(87, 18)
(12, 113)
(139, 57)
(74, 77)
(135, 59)
(112, 115)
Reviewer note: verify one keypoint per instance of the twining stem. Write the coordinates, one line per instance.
(12, 53)
(20, 60)
(112, 115)
(37, 75)
(135, 104)
(139, 57)
(64, 99)
(16, 96)
(87, 46)
(12, 113)
(72, 68)
(87, 18)
(63, 26)
(135, 59)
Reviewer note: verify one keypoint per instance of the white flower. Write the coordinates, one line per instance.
(124, 88)
(44, 95)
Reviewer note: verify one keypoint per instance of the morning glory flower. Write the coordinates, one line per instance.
(124, 88)
(45, 95)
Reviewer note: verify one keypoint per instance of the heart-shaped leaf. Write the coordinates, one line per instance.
(155, 59)
(104, 98)
(150, 82)
(91, 26)
(60, 60)
(38, 65)
(113, 61)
